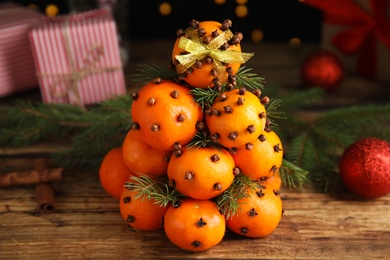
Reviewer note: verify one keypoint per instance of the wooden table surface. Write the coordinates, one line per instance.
(87, 223)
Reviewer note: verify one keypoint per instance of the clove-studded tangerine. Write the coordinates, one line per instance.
(201, 173)
(165, 113)
(259, 214)
(138, 212)
(194, 225)
(207, 53)
(263, 158)
(236, 118)
(272, 183)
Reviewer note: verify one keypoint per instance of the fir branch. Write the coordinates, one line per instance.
(27, 122)
(292, 175)
(246, 78)
(272, 111)
(155, 189)
(202, 139)
(91, 133)
(204, 97)
(371, 119)
(316, 146)
(147, 73)
(302, 98)
(228, 201)
(326, 177)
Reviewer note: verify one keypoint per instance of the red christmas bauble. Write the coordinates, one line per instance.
(365, 168)
(322, 69)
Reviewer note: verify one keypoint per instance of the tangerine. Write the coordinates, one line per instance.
(113, 172)
(236, 118)
(202, 73)
(194, 225)
(140, 213)
(259, 214)
(262, 158)
(201, 173)
(274, 182)
(166, 114)
(141, 158)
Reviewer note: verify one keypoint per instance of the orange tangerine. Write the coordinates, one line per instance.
(166, 114)
(113, 172)
(141, 158)
(140, 213)
(259, 214)
(201, 173)
(236, 118)
(262, 158)
(203, 73)
(194, 225)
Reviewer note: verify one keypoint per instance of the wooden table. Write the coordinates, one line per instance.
(87, 223)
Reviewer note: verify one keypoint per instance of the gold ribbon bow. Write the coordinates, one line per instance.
(72, 78)
(199, 50)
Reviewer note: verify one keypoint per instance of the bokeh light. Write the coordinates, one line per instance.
(219, 2)
(241, 11)
(295, 42)
(257, 35)
(51, 10)
(165, 8)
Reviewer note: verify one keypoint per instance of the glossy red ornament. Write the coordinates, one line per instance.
(322, 69)
(365, 168)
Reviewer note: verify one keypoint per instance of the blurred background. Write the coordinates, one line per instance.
(284, 32)
(266, 20)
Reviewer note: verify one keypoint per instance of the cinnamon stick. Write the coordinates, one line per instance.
(30, 177)
(44, 190)
(45, 198)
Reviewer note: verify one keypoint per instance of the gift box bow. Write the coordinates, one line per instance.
(362, 29)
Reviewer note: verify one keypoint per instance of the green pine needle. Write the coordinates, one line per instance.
(147, 73)
(316, 146)
(246, 78)
(204, 97)
(202, 139)
(153, 189)
(91, 132)
(228, 201)
(302, 98)
(273, 113)
(292, 175)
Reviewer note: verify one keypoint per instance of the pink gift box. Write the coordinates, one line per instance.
(17, 69)
(77, 58)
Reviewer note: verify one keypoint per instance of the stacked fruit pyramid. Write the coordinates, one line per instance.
(193, 169)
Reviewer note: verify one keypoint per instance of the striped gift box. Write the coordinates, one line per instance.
(17, 69)
(77, 58)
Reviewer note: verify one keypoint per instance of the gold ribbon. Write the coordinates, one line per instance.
(199, 50)
(72, 78)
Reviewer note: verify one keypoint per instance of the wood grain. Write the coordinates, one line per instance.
(87, 224)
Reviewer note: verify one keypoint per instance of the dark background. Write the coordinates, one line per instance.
(280, 20)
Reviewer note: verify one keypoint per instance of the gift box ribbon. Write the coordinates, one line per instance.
(71, 79)
(363, 30)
